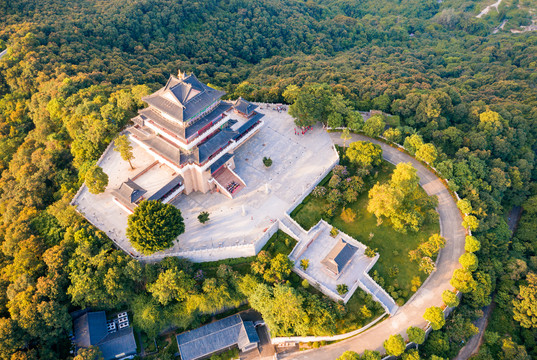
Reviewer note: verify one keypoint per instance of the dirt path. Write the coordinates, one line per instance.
(430, 293)
(472, 346)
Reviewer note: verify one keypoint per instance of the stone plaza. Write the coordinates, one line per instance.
(237, 226)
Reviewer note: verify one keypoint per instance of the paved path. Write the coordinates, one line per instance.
(430, 293)
(2, 53)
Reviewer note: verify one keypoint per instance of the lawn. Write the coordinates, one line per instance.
(392, 246)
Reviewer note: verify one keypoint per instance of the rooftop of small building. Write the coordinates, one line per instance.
(339, 256)
(244, 106)
(216, 336)
(90, 329)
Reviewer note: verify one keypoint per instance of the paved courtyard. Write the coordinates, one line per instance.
(298, 160)
(296, 164)
(317, 251)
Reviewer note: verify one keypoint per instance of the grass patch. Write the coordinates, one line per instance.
(280, 243)
(392, 246)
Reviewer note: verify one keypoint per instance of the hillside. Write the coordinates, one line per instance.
(74, 74)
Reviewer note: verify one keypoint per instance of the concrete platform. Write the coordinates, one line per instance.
(298, 161)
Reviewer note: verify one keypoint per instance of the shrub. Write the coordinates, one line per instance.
(319, 191)
(334, 232)
(203, 217)
(267, 161)
(304, 264)
(415, 283)
(370, 253)
(348, 215)
(342, 289)
(305, 283)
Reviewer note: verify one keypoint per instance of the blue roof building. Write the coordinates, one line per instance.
(217, 337)
(92, 329)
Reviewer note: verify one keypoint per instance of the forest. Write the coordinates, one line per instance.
(74, 74)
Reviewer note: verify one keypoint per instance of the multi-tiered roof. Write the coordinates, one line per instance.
(187, 123)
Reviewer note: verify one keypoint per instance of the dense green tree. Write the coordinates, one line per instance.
(450, 298)
(416, 335)
(281, 307)
(123, 146)
(468, 261)
(413, 143)
(525, 304)
(412, 354)
(471, 244)
(374, 126)
(395, 345)
(349, 355)
(370, 355)
(312, 104)
(463, 280)
(470, 222)
(90, 353)
(401, 200)
(364, 154)
(435, 316)
(172, 284)
(11, 338)
(154, 226)
(427, 153)
(96, 180)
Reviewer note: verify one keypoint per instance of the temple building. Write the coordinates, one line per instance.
(338, 257)
(192, 134)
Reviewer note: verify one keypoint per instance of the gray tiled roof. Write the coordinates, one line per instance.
(90, 328)
(187, 97)
(130, 191)
(150, 114)
(248, 335)
(339, 256)
(216, 336)
(209, 147)
(205, 98)
(118, 344)
(218, 163)
(167, 188)
(206, 119)
(244, 106)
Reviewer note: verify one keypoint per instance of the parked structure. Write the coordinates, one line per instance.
(216, 337)
(189, 130)
(115, 337)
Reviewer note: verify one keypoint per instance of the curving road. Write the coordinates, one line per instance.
(430, 293)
